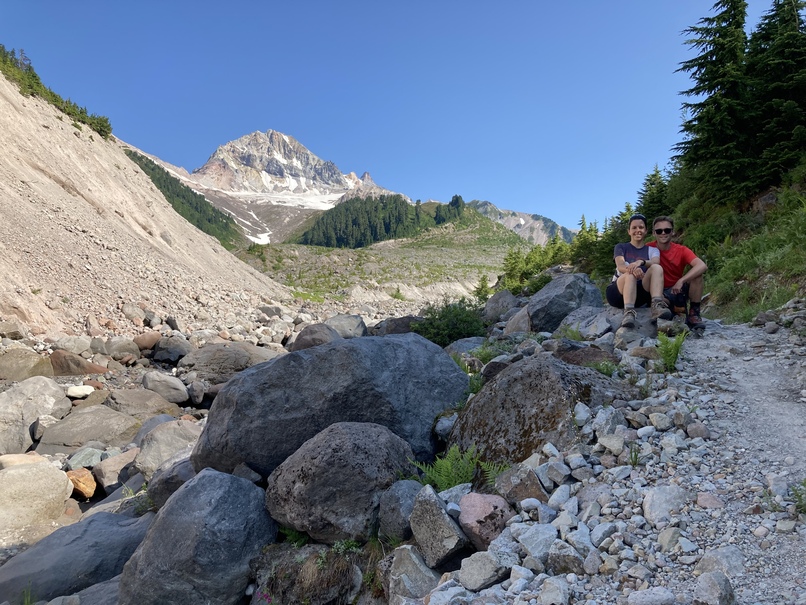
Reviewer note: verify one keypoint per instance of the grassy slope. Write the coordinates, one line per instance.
(454, 252)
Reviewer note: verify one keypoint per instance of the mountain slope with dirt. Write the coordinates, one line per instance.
(84, 230)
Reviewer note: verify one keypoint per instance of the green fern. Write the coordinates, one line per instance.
(492, 470)
(670, 349)
(450, 470)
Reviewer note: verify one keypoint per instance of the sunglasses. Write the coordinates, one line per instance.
(666, 230)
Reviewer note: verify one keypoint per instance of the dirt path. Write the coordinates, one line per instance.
(758, 404)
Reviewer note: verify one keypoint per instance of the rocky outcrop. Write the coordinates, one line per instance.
(331, 487)
(197, 549)
(268, 411)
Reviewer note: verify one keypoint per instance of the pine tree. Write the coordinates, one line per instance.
(776, 68)
(715, 145)
(652, 199)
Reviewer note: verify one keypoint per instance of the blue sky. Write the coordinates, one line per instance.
(552, 108)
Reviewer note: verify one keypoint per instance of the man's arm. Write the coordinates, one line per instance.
(698, 267)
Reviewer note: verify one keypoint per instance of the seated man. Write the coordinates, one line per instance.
(679, 285)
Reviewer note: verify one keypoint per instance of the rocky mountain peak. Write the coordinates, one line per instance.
(267, 162)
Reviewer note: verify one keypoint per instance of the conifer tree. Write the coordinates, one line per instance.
(715, 145)
(776, 68)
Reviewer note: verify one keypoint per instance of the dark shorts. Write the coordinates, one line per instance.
(677, 300)
(615, 299)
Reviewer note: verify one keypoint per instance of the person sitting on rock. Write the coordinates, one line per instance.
(679, 286)
(639, 276)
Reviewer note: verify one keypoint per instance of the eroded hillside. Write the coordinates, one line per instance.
(84, 230)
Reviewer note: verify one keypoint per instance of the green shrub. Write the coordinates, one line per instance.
(537, 283)
(669, 349)
(799, 493)
(451, 469)
(450, 322)
(571, 333)
(455, 467)
(603, 367)
(475, 384)
(297, 538)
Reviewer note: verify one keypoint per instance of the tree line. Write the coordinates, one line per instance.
(17, 68)
(192, 206)
(360, 222)
(744, 134)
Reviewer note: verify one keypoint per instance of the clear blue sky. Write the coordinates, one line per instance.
(553, 108)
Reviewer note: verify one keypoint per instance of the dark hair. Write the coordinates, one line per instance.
(663, 219)
(636, 217)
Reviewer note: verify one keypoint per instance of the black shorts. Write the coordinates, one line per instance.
(615, 299)
(677, 300)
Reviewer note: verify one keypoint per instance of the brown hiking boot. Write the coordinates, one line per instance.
(660, 310)
(694, 321)
(628, 321)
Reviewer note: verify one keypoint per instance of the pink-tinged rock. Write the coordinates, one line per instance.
(483, 517)
(708, 500)
(9, 460)
(69, 364)
(83, 482)
(147, 340)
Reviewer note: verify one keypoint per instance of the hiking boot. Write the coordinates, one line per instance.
(628, 321)
(694, 321)
(660, 310)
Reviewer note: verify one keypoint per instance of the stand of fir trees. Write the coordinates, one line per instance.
(360, 222)
(192, 206)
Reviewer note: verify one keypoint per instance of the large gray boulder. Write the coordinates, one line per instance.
(217, 363)
(266, 412)
(330, 488)
(348, 326)
(169, 477)
(141, 403)
(562, 295)
(497, 305)
(74, 557)
(198, 548)
(163, 442)
(527, 405)
(32, 493)
(314, 335)
(168, 387)
(21, 405)
(21, 364)
(438, 536)
(94, 423)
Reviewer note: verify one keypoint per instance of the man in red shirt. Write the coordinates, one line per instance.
(679, 285)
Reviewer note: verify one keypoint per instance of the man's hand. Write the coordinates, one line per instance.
(678, 286)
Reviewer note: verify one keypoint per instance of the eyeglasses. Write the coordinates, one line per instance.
(665, 230)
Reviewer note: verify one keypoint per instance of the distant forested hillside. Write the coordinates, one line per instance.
(16, 66)
(192, 206)
(360, 222)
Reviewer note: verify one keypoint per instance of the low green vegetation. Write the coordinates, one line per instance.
(190, 205)
(799, 493)
(455, 467)
(450, 321)
(669, 349)
(292, 536)
(17, 68)
(608, 368)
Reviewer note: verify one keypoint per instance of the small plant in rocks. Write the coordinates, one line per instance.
(799, 493)
(669, 349)
(608, 368)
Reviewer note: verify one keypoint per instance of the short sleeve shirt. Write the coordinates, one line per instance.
(674, 262)
(632, 254)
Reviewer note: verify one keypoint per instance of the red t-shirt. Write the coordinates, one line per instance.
(674, 262)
